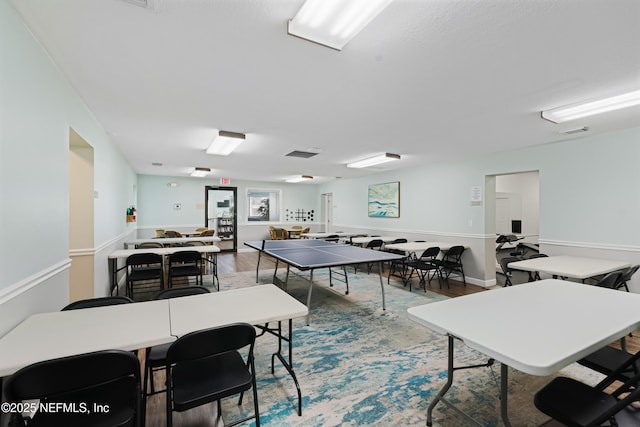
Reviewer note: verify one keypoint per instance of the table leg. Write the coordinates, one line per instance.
(258, 266)
(504, 390)
(447, 385)
(309, 296)
(384, 307)
(450, 370)
(287, 363)
(113, 264)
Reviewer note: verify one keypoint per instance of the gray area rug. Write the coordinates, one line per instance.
(359, 365)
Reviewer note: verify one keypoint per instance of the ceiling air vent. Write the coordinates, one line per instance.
(301, 154)
(578, 130)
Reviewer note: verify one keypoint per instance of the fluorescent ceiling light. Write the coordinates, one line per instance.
(225, 143)
(200, 172)
(382, 158)
(333, 23)
(585, 109)
(300, 178)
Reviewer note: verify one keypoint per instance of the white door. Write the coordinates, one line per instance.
(327, 211)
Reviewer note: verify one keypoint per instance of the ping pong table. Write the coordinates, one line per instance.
(309, 255)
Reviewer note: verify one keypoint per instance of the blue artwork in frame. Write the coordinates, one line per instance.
(384, 200)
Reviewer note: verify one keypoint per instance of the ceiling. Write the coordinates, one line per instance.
(431, 80)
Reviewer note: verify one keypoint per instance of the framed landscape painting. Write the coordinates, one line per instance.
(384, 200)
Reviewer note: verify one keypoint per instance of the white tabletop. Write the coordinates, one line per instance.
(325, 235)
(569, 266)
(538, 327)
(171, 240)
(419, 247)
(124, 253)
(365, 240)
(64, 333)
(255, 305)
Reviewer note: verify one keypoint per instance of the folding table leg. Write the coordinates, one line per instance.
(450, 370)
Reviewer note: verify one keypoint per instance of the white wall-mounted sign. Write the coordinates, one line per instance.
(476, 193)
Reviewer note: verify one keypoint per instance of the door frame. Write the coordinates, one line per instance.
(208, 188)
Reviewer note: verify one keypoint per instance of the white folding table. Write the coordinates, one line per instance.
(164, 252)
(569, 266)
(257, 305)
(140, 325)
(363, 241)
(415, 249)
(323, 235)
(57, 334)
(172, 240)
(537, 328)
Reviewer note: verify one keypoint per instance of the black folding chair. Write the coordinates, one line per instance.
(576, 404)
(103, 386)
(206, 366)
(423, 266)
(451, 263)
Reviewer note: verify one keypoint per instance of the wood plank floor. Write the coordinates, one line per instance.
(246, 261)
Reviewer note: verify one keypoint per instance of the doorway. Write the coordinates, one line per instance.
(516, 218)
(81, 252)
(221, 214)
(327, 211)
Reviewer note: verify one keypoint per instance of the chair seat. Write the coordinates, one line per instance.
(606, 360)
(185, 270)
(150, 273)
(204, 380)
(117, 395)
(576, 404)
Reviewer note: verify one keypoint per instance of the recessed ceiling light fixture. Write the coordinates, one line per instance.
(225, 142)
(300, 178)
(372, 161)
(591, 108)
(200, 172)
(333, 23)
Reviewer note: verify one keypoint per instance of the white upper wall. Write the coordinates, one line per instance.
(588, 191)
(37, 110)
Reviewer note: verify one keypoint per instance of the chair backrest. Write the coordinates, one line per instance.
(280, 234)
(401, 240)
(212, 341)
(172, 233)
(504, 264)
(306, 230)
(97, 302)
(626, 276)
(208, 233)
(144, 259)
(159, 233)
(201, 229)
(375, 243)
(195, 243)
(144, 245)
(296, 227)
(430, 253)
(454, 253)
(610, 280)
(185, 256)
(182, 292)
(82, 372)
(332, 238)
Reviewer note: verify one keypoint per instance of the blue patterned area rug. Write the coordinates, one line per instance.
(359, 365)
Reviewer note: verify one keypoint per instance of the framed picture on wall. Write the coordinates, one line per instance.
(384, 200)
